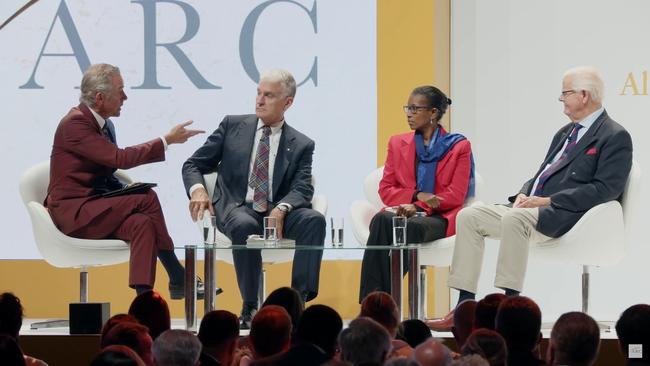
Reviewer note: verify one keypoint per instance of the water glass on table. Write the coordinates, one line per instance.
(270, 231)
(399, 231)
(336, 225)
(209, 230)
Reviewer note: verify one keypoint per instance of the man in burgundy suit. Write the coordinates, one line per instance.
(84, 158)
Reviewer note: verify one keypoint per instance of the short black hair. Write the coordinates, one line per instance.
(289, 299)
(519, 321)
(11, 314)
(486, 310)
(435, 98)
(633, 327)
(576, 339)
(270, 330)
(413, 332)
(320, 325)
(218, 327)
(488, 344)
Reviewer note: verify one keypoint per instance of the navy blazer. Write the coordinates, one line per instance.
(595, 171)
(228, 151)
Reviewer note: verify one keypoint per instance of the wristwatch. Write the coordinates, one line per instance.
(283, 207)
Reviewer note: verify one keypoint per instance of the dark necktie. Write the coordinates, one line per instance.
(259, 180)
(571, 143)
(106, 133)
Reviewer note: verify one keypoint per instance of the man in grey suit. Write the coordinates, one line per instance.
(587, 163)
(264, 169)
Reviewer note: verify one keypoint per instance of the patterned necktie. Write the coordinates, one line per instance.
(571, 143)
(259, 180)
(106, 133)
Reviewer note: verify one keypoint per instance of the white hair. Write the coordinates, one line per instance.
(587, 78)
(97, 79)
(284, 77)
(176, 347)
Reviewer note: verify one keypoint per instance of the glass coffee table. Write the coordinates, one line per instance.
(409, 252)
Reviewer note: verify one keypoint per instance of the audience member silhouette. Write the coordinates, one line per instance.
(381, 307)
(364, 342)
(463, 321)
(11, 319)
(519, 321)
(633, 328)
(176, 347)
(219, 335)
(575, 340)
(113, 321)
(432, 353)
(486, 310)
(10, 352)
(152, 311)
(470, 360)
(133, 335)
(401, 361)
(270, 331)
(117, 355)
(320, 325)
(413, 332)
(488, 344)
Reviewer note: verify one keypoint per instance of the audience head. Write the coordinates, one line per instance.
(471, 360)
(133, 335)
(10, 352)
(488, 344)
(575, 340)
(320, 325)
(519, 321)
(432, 353)
(381, 307)
(219, 334)
(364, 341)
(463, 321)
(435, 98)
(11, 314)
(176, 347)
(633, 327)
(413, 332)
(152, 311)
(486, 310)
(289, 299)
(270, 331)
(117, 356)
(115, 320)
(401, 361)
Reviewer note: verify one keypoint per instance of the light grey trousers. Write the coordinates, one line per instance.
(516, 229)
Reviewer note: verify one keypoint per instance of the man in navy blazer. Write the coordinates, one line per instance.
(587, 163)
(233, 152)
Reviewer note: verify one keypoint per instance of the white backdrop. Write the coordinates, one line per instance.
(508, 58)
(339, 113)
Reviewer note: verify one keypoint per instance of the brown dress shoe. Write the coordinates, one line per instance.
(443, 324)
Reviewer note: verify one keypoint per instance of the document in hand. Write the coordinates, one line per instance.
(130, 189)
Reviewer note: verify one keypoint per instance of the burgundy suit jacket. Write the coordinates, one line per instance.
(398, 184)
(80, 156)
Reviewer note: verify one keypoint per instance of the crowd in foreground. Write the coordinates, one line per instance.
(496, 330)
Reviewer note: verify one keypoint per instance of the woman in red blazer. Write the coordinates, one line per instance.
(428, 175)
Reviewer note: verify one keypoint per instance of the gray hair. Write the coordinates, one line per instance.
(364, 340)
(283, 77)
(587, 78)
(97, 79)
(176, 347)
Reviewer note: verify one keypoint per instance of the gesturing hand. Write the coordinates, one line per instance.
(179, 134)
(199, 202)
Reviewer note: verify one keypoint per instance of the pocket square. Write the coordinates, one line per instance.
(592, 151)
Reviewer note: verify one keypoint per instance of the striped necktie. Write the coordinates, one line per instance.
(259, 179)
(571, 143)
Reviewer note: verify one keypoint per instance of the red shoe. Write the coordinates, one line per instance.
(443, 324)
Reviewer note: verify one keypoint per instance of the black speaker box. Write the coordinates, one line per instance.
(88, 318)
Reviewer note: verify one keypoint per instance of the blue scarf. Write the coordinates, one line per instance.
(429, 156)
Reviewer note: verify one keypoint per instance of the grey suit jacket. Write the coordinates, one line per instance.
(228, 151)
(594, 172)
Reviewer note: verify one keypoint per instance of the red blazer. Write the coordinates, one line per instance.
(80, 155)
(398, 184)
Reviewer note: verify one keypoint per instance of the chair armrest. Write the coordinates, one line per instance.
(361, 213)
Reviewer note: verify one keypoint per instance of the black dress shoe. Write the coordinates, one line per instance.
(177, 292)
(247, 313)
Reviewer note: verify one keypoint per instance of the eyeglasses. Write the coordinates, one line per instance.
(415, 108)
(566, 93)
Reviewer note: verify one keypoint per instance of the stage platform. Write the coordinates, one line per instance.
(57, 347)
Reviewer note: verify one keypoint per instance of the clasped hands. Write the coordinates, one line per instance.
(200, 201)
(523, 201)
(409, 209)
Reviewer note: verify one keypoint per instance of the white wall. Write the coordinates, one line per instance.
(339, 113)
(508, 58)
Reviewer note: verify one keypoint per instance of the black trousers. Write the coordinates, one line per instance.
(375, 268)
(304, 225)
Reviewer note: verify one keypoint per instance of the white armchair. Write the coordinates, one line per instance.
(57, 248)
(435, 254)
(270, 256)
(598, 238)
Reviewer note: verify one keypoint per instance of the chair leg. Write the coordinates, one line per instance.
(423, 292)
(585, 289)
(261, 289)
(83, 285)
